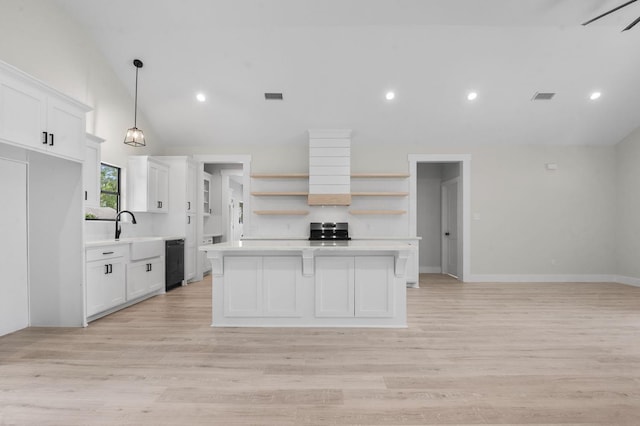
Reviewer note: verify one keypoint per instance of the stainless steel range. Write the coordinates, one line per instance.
(329, 232)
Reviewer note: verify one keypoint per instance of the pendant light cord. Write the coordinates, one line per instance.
(135, 110)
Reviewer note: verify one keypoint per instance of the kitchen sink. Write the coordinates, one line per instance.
(143, 248)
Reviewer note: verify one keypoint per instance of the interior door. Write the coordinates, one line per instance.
(450, 227)
(14, 302)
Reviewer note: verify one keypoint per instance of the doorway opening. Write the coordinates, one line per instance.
(439, 212)
(224, 197)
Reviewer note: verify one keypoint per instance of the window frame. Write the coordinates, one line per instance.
(118, 194)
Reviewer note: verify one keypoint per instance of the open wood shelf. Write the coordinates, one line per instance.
(378, 212)
(280, 193)
(380, 175)
(282, 212)
(379, 194)
(280, 175)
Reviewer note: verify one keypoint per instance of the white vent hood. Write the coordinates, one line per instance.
(330, 167)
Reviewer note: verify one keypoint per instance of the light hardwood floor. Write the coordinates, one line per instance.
(473, 354)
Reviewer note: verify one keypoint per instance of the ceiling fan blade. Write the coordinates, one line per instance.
(609, 12)
(631, 25)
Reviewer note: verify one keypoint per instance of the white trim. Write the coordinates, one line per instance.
(620, 279)
(465, 160)
(430, 270)
(541, 278)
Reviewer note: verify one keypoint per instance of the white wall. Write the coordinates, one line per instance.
(527, 220)
(627, 218)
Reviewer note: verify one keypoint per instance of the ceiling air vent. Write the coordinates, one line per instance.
(542, 96)
(273, 96)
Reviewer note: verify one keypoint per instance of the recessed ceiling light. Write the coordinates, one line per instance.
(472, 96)
(595, 95)
(390, 96)
(201, 97)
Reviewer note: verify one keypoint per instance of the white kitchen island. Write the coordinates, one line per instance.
(298, 283)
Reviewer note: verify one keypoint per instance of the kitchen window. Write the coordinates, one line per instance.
(110, 186)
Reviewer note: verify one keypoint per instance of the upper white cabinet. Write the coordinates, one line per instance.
(91, 171)
(206, 194)
(39, 118)
(147, 185)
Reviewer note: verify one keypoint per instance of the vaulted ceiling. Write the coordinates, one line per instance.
(334, 61)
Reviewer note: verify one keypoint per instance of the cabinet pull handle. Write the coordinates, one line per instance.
(50, 139)
(106, 269)
(188, 205)
(85, 195)
(45, 135)
(107, 252)
(110, 268)
(188, 220)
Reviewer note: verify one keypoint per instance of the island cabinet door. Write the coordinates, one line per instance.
(334, 286)
(243, 286)
(282, 281)
(374, 290)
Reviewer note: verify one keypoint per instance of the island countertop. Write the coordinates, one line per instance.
(306, 245)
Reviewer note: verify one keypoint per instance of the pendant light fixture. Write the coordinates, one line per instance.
(135, 136)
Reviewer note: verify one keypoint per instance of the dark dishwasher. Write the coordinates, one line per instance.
(174, 263)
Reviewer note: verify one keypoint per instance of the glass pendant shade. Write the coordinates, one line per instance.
(135, 136)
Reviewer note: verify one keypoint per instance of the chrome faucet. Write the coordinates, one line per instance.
(118, 230)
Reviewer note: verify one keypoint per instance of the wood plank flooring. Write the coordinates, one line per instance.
(473, 354)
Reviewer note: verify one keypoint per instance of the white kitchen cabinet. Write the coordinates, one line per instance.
(206, 194)
(181, 218)
(190, 248)
(206, 265)
(144, 277)
(91, 171)
(147, 185)
(360, 286)
(266, 286)
(105, 278)
(191, 188)
(374, 292)
(39, 118)
(335, 286)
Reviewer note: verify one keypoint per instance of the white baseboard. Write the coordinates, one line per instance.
(430, 270)
(560, 278)
(627, 280)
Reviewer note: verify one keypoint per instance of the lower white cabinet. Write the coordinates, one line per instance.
(116, 277)
(263, 286)
(359, 286)
(106, 287)
(144, 277)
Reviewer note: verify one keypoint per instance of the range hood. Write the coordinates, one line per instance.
(329, 167)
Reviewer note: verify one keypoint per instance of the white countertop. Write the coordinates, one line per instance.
(129, 240)
(306, 245)
(352, 238)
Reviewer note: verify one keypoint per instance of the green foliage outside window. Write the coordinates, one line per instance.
(110, 186)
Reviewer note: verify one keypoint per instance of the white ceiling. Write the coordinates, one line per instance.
(335, 59)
